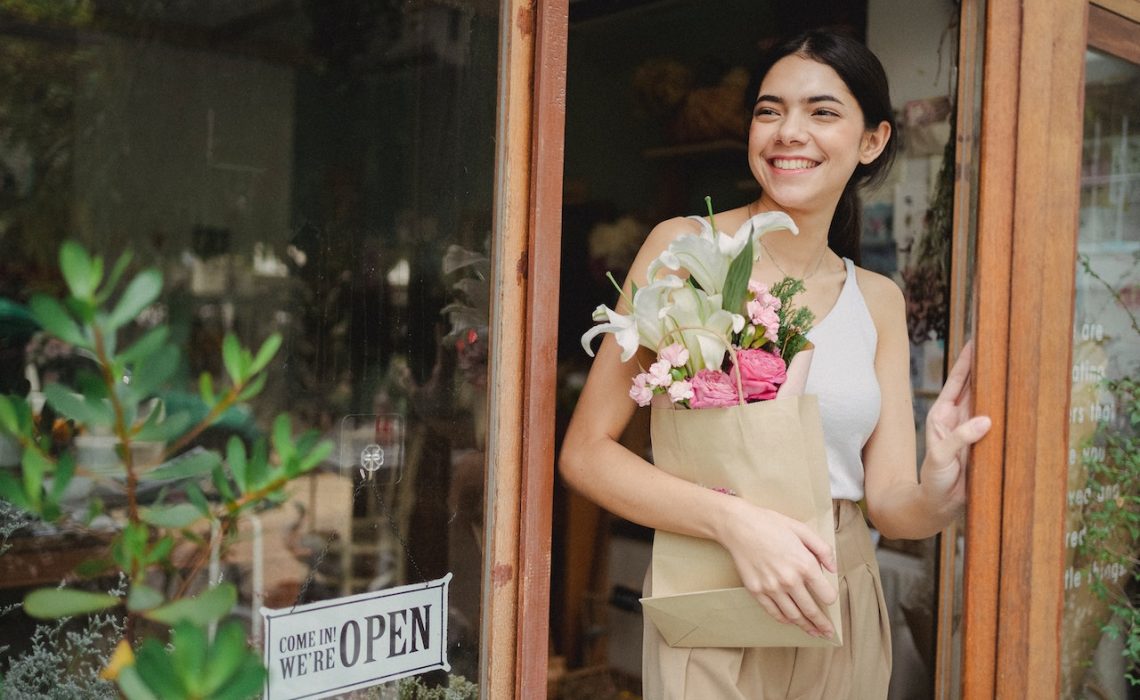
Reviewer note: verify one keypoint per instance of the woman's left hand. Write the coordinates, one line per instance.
(950, 430)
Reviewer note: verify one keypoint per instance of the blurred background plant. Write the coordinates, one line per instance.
(174, 505)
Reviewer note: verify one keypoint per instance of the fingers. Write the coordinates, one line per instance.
(950, 447)
(800, 609)
(959, 377)
(815, 544)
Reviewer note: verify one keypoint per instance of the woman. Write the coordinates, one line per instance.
(821, 127)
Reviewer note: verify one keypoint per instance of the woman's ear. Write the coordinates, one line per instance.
(873, 143)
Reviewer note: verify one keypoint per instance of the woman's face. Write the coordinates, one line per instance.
(807, 136)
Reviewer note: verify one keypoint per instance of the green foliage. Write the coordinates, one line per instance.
(457, 688)
(119, 397)
(193, 668)
(795, 321)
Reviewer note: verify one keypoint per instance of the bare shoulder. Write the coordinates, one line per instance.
(884, 298)
(670, 230)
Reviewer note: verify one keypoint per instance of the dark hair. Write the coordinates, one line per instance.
(864, 76)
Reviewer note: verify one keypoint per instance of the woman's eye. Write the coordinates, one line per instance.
(826, 113)
(764, 112)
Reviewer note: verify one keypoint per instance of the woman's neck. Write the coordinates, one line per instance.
(803, 248)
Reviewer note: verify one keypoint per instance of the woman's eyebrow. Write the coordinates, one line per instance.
(809, 100)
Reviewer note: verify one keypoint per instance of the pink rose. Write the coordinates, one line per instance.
(640, 392)
(676, 355)
(761, 373)
(713, 388)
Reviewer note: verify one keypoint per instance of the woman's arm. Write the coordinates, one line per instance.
(905, 503)
(778, 558)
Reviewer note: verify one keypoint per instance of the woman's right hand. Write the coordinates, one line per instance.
(779, 560)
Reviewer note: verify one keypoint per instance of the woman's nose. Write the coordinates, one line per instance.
(791, 129)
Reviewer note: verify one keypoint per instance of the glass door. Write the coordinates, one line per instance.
(1100, 641)
(323, 173)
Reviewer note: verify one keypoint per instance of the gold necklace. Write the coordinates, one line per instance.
(818, 260)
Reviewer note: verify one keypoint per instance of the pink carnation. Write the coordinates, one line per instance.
(640, 392)
(676, 355)
(713, 388)
(765, 317)
(761, 373)
(660, 374)
(680, 391)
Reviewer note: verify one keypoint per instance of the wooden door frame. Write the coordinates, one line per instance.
(523, 331)
(1028, 202)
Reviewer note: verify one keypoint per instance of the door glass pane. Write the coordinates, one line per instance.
(318, 170)
(1100, 540)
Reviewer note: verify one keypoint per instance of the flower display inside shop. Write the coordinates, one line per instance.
(718, 336)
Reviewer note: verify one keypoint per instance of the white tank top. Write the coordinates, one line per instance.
(843, 377)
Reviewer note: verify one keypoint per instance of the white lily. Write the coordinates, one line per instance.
(701, 325)
(644, 326)
(708, 255)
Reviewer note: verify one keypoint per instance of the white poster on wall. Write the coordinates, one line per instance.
(334, 646)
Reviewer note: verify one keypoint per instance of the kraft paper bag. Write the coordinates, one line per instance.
(769, 452)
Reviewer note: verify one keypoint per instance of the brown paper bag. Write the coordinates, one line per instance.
(770, 453)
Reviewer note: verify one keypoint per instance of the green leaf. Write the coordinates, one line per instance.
(253, 388)
(314, 457)
(268, 349)
(146, 346)
(211, 605)
(736, 282)
(36, 466)
(132, 685)
(176, 516)
(257, 468)
(222, 484)
(283, 437)
(195, 496)
(12, 490)
(235, 458)
(153, 372)
(143, 597)
(139, 294)
(55, 319)
(113, 278)
(160, 551)
(158, 672)
(9, 422)
(206, 389)
(81, 273)
(88, 411)
(226, 655)
(232, 358)
(94, 567)
(246, 683)
(52, 603)
(189, 655)
(197, 462)
(64, 471)
(164, 429)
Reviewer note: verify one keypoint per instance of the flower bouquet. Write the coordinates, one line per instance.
(729, 413)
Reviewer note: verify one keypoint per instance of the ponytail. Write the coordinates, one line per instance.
(846, 232)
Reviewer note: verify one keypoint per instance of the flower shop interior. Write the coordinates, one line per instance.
(279, 215)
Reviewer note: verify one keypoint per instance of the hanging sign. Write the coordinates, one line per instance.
(334, 646)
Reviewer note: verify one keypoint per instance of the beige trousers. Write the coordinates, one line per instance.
(858, 670)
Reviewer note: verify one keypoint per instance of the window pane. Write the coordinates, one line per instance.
(321, 170)
(1100, 550)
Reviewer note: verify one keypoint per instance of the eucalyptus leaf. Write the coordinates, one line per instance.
(53, 603)
(176, 516)
(214, 604)
(139, 294)
(196, 462)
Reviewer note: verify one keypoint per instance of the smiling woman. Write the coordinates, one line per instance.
(822, 126)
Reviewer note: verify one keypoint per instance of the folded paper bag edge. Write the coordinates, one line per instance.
(680, 619)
